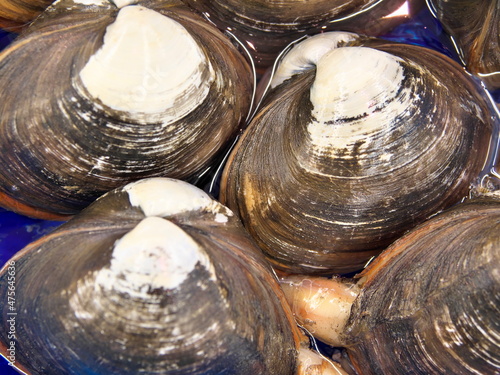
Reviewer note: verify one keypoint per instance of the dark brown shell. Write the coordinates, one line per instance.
(475, 28)
(226, 316)
(16, 14)
(325, 210)
(266, 27)
(430, 303)
(62, 148)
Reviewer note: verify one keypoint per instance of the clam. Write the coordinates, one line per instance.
(155, 277)
(474, 26)
(96, 95)
(357, 141)
(429, 304)
(266, 27)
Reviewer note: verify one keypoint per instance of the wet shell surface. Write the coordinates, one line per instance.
(126, 92)
(266, 27)
(475, 27)
(431, 300)
(152, 278)
(16, 14)
(357, 141)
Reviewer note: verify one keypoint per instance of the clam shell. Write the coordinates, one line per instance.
(266, 27)
(153, 278)
(475, 28)
(124, 93)
(354, 144)
(15, 14)
(431, 300)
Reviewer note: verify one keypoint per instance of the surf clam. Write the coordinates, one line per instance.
(266, 27)
(475, 27)
(124, 93)
(430, 302)
(155, 278)
(357, 141)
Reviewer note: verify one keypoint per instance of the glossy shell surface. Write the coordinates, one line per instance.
(475, 28)
(357, 141)
(153, 278)
(266, 27)
(124, 93)
(16, 14)
(431, 300)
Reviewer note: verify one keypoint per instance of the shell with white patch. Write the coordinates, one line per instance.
(356, 141)
(126, 287)
(127, 92)
(268, 26)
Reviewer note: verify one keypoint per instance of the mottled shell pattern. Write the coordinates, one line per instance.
(96, 95)
(356, 141)
(268, 26)
(474, 26)
(152, 278)
(431, 301)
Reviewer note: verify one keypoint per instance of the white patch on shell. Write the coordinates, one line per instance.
(77, 4)
(149, 66)
(156, 254)
(91, 2)
(306, 54)
(220, 218)
(166, 197)
(124, 3)
(353, 96)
